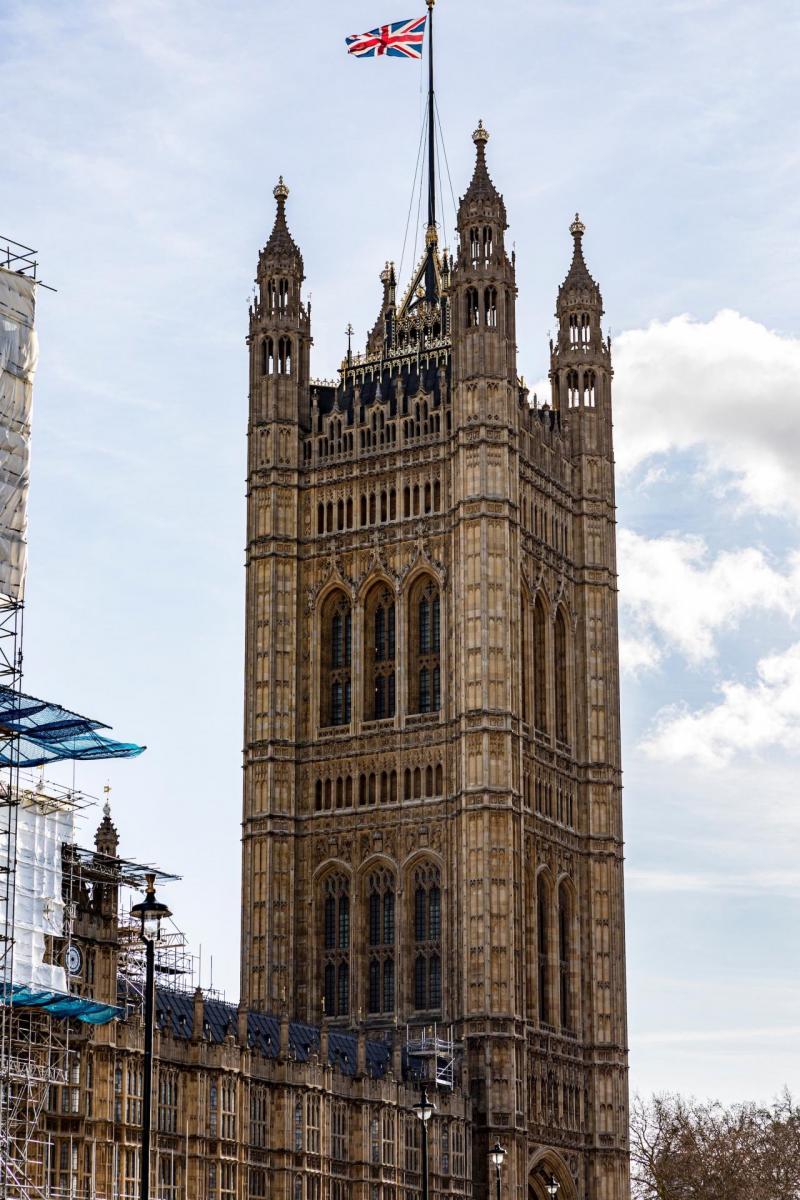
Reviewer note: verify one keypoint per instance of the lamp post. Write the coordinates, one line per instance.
(150, 913)
(553, 1187)
(497, 1156)
(424, 1110)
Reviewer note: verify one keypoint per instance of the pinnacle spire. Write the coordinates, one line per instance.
(481, 195)
(579, 279)
(281, 249)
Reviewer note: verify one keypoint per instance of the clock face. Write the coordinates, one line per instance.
(74, 960)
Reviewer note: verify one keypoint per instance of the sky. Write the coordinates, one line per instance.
(141, 144)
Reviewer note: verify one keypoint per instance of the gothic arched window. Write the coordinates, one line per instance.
(284, 356)
(283, 295)
(379, 657)
(427, 938)
(540, 665)
(565, 956)
(543, 946)
(524, 638)
(573, 395)
(424, 682)
(380, 941)
(560, 681)
(490, 306)
(335, 685)
(336, 945)
(473, 308)
(585, 331)
(488, 242)
(589, 389)
(474, 247)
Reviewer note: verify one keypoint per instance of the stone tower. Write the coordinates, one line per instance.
(432, 801)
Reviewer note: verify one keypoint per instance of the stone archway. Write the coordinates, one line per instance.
(547, 1164)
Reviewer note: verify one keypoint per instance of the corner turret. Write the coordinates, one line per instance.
(280, 328)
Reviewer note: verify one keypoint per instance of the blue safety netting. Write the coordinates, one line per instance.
(44, 732)
(59, 1004)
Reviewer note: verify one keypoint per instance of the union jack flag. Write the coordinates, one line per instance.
(401, 39)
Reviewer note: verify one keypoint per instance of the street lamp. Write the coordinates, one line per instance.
(424, 1110)
(150, 913)
(553, 1186)
(497, 1156)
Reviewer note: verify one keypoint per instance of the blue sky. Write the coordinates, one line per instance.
(142, 141)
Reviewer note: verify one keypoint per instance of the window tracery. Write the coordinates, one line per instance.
(425, 692)
(379, 690)
(427, 938)
(381, 942)
(336, 661)
(336, 945)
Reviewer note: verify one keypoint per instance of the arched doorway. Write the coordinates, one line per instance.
(547, 1165)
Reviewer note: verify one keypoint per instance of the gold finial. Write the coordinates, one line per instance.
(481, 136)
(431, 236)
(280, 191)
(107, 806)
(577, 228)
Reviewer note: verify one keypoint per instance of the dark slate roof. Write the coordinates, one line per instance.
(175, 1013)
(414, 381)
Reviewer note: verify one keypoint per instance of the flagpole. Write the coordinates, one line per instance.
(430, 272)
(431, 126)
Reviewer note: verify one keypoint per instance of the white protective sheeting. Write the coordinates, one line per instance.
(18, 355)
(39, 903)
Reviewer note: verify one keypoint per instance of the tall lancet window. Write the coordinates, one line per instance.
(380, 942)
(490, 306)
(540, 666)
(565, 957)
(425, 678)
(561, 682)
(335, 689)
(543, 947)
(379, 657)
(427, 938)
(473, 307)
(336, 945)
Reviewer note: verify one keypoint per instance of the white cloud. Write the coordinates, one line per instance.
(728, 388)
(673, 594)
(747, 720)
(742, 883)
(676, 1037)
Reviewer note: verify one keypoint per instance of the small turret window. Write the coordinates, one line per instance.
(589, 382)
(284, 356)
(488, 244)
(283, 295)
(573, 330)
(573, 395)
(473, 308)
(474, 247)
(272, 297)
(586, 331)
(490, 306)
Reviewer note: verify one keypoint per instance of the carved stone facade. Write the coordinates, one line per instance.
(432, 798)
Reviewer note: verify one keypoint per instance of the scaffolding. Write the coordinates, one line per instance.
(431, 1054)
(45, 1025)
